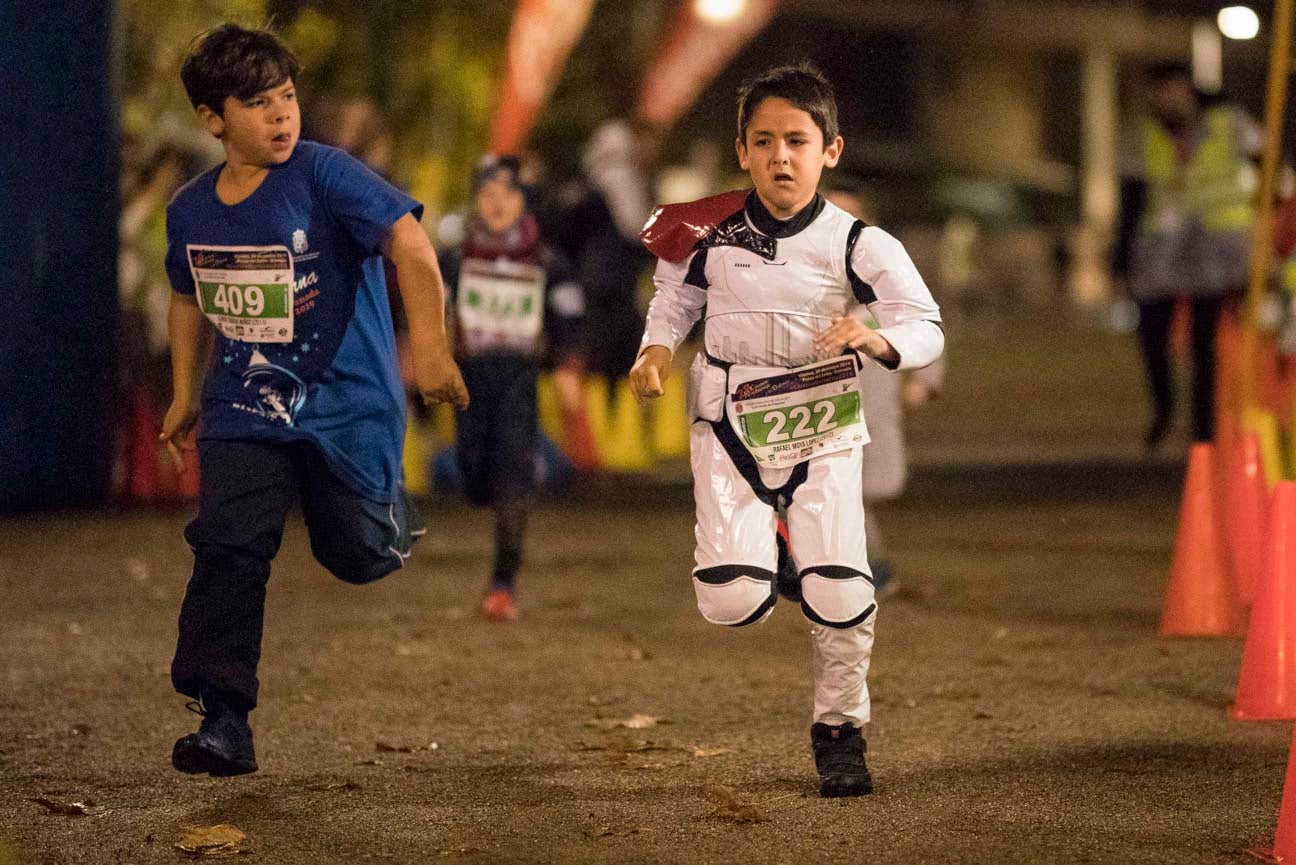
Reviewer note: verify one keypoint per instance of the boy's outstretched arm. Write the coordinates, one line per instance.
(674, 309)
(436, 375)
(190, 343)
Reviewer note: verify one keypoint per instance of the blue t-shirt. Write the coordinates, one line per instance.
(292, 277)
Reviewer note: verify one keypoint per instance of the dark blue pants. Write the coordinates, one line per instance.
(495, 438)
(246, 492)
(495, 443)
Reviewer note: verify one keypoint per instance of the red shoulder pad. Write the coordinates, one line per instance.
(674, 229)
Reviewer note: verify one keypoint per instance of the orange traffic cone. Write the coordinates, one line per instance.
(579, 443)
(1245, 497)
(1266, 688)
(1201, 599)
(1284, 846)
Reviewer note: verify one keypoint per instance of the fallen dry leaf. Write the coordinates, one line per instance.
(634, 722)
(730, 804)
(712, 752)
(336, 785)
(631, 746)
(405, 749)
(220, 840)
(71, 809)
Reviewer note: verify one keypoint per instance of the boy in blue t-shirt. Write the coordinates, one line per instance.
(281, 248)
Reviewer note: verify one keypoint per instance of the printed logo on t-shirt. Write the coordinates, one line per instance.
(300, 244)
(277, 394)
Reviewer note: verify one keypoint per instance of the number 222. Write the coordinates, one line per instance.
(801, 414)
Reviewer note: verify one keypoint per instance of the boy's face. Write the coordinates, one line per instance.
(785, 154)
(500, 203)
(262, 130)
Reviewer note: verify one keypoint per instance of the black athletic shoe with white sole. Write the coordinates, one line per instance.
(839, 757)
(222, 747)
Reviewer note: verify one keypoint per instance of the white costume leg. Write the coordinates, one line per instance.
(736, 554)
(826, 526)
(840, 662)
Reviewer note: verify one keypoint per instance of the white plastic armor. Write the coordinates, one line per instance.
(765, 299)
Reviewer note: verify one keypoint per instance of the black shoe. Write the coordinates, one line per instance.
(222, 747)
(786, 579)
(839, 757)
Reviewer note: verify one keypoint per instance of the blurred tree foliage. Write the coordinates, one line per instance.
(151, 38)
(431, 69)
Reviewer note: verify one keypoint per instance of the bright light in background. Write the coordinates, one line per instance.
(719, 11)
(1238, 22)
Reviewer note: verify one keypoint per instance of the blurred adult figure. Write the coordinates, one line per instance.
(596, 225)
(885, 396)
(1186, 208)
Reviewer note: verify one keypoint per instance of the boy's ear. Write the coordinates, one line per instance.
(742, 153)
(833, 152)
(211, 121)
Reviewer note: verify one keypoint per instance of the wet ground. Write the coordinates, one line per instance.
(1024, 710)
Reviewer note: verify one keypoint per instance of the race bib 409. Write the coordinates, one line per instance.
(246, 291)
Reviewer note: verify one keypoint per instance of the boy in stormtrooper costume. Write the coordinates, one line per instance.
(785, 280)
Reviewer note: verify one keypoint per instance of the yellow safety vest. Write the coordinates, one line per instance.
(1216, 187)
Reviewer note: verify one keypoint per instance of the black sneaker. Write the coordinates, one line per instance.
(222, 747)
(786, 579)
(839, 757)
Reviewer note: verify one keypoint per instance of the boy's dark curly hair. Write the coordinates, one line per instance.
(230, 60)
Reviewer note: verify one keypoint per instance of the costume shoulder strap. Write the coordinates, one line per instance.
(862, 290)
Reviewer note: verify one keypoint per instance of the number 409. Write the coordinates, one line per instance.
(239, 299)
(801, 414)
